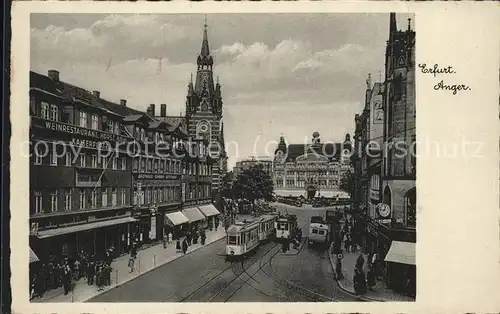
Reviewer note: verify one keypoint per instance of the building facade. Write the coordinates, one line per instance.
(385, 163)
(267, 165)
(204, 111)
(311, 170)
(104, 175)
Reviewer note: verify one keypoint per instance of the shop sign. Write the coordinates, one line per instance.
(374, 195)
(87, 180)
(384, 221)
(75, 130)
(90, 144)
(151, 176)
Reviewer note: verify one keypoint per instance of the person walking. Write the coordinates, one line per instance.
(203, 238)
(131, 262)
(67, 279)
(184, 246)
(170, 237)
(370, 278)
(178, 246)
(90, 273)
(165, 240)
(338, 269)
(133, 251)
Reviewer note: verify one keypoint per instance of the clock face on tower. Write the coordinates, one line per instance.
(203, 130)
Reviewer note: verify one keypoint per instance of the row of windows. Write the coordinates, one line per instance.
(195, 191)
(156, 165)
(157, 195)
(84, 160)
(307, 173)
(88, 198)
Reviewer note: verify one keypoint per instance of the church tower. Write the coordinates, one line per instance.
(204, 109)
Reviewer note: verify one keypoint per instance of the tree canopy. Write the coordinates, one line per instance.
(253, 184)
(226, 189)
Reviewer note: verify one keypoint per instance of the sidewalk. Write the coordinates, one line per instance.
(147, 260)
(379, 293)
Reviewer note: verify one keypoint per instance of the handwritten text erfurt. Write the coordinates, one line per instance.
(446, 70)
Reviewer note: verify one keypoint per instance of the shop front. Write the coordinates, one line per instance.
(177, 223)
(401, 269)
(93, 238)
(196, 218)
(211, 213)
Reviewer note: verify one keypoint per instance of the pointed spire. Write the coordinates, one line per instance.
(409, 24)
(205, 51)
(191, 79)
(217, 80)
(393, 25)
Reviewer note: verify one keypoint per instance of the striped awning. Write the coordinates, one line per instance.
(209, 210)
(193, 214)
(176, 218)
(33, 257)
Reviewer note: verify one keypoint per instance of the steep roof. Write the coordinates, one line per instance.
(44, 83)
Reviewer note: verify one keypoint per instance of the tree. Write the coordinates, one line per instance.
(253, 184)
(347, 182)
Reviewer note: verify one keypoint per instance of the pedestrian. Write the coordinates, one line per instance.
(165, 240)
(90, 273)
(338, 269)
(169, 237)
(99, 278)
(347, 243)
(184, 246)
(359, 281)
(203, 238)
(131, 264)
(178, 245)
(370, 279)
(76, 268)
(133, 251)
(67, 279)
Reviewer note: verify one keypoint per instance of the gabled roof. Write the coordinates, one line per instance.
(330, 150)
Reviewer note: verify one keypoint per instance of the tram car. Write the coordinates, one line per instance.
(267, 229)
(242, 239)
(286, 227)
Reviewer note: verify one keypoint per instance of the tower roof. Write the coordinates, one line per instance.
(205, 50)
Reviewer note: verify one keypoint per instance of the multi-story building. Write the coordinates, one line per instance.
(266, 162)
(204, 111)
(385, 171)
(80, 185)
(103, 174)
(311, 170)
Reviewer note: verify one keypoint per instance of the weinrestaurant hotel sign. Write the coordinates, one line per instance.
(77, 131)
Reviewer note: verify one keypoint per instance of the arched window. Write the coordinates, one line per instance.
(204, 105)
(411, 208)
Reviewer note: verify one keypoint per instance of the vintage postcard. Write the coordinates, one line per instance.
(255, 157)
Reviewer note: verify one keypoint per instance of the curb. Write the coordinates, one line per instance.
(147, 271)
(360, 298)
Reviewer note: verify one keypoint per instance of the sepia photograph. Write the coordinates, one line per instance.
(222, 157)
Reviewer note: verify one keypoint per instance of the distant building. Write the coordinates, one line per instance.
(266, 162)
(311, 170)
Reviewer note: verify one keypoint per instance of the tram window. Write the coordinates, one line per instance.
(315, 231)
(286, 226)
(231, 240)
(321, 232)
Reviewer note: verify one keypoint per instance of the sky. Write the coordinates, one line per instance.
(281, 74)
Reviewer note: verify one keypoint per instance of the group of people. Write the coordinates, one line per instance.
(192, 237)
(63, 272)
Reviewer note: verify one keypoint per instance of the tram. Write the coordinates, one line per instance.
(286, 227)
(242, 239)
(266, 227)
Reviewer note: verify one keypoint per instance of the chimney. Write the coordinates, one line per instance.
(96, 94)
(153, 114)
(163, 110)
(148, 111)
(123, 102)
(54, 75)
